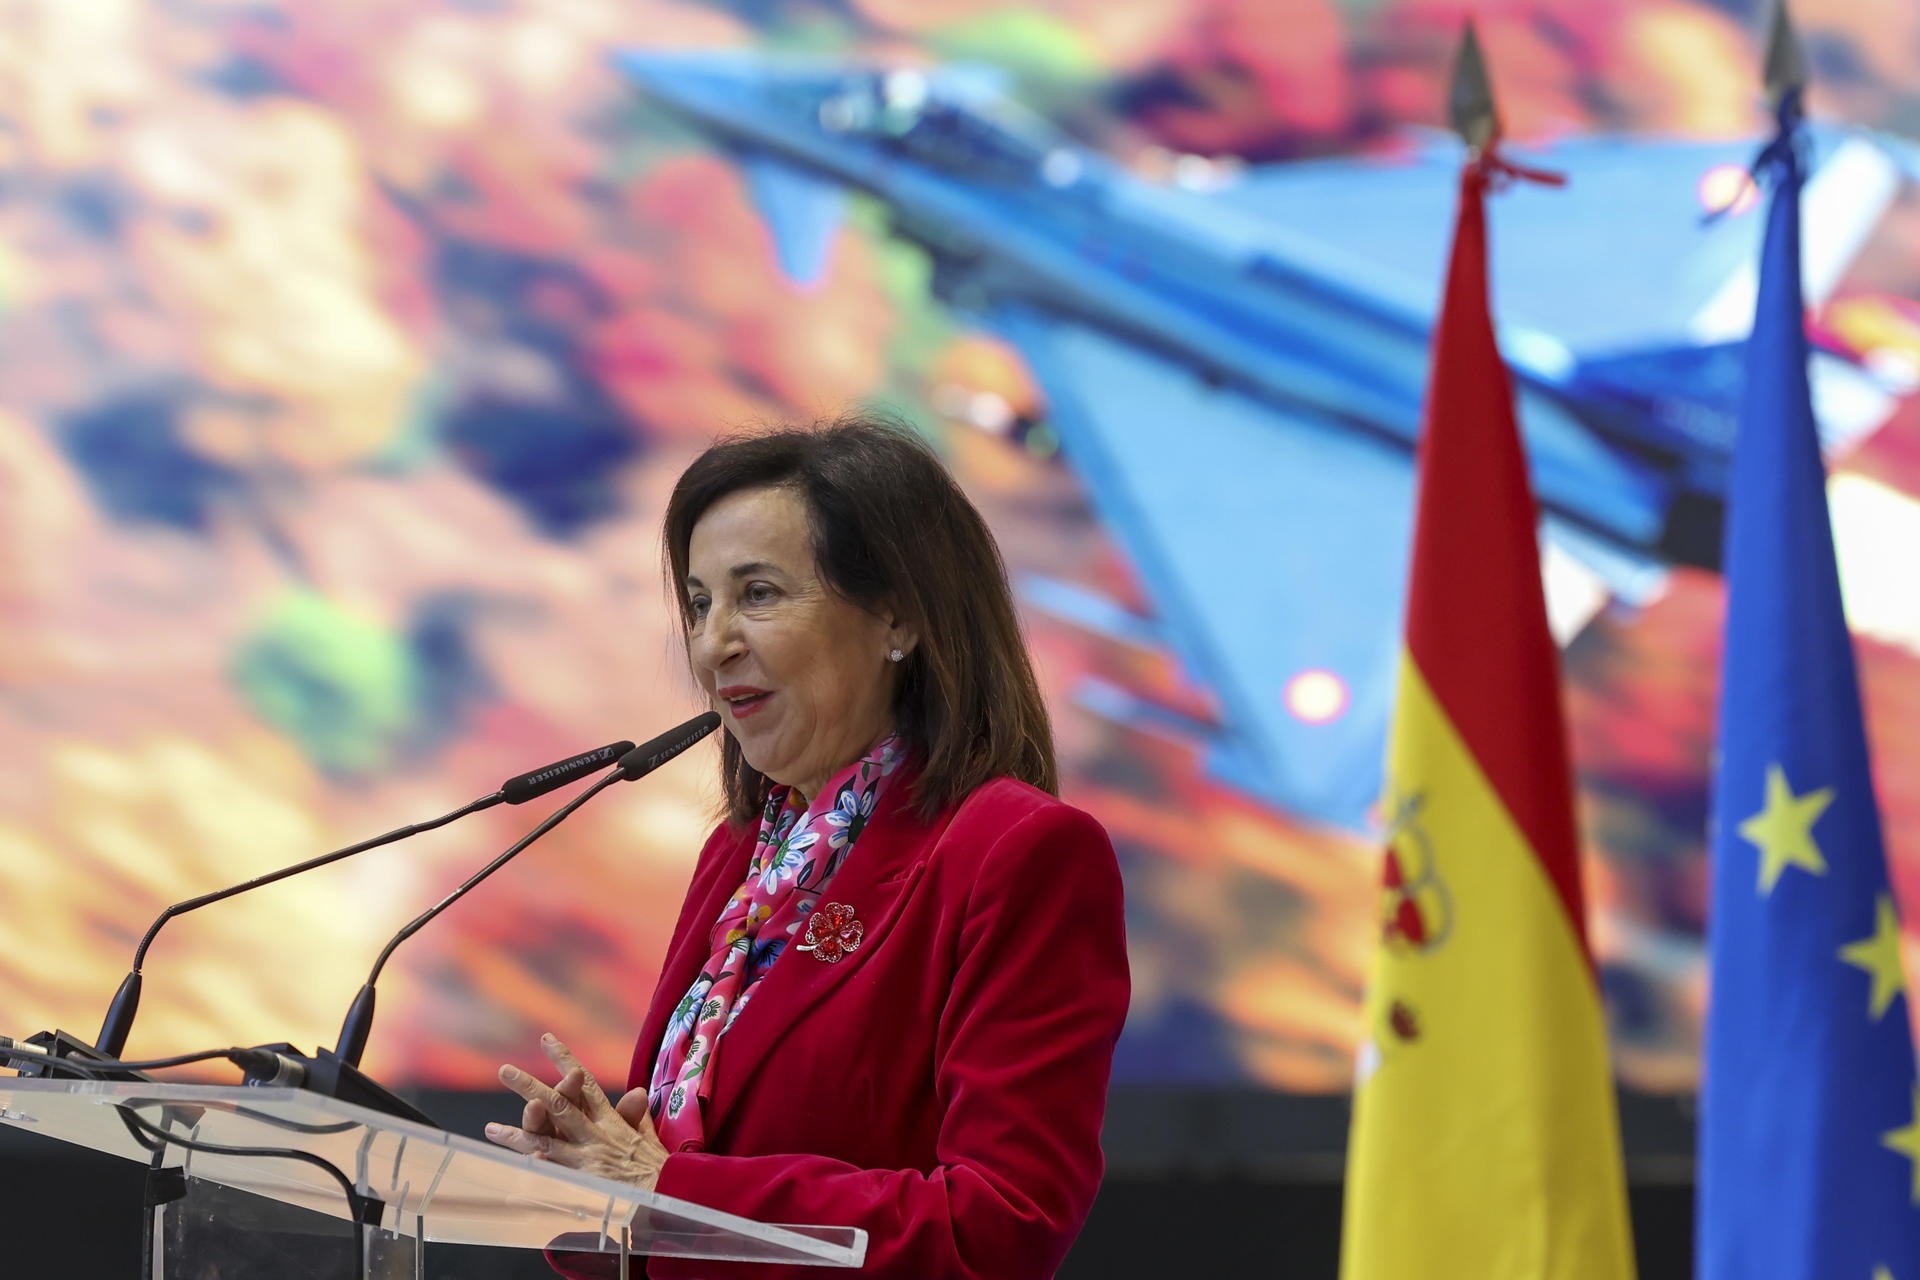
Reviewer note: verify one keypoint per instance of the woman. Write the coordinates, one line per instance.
(932, 943)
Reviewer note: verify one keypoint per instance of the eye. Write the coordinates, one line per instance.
(698, 606)
(758, 593)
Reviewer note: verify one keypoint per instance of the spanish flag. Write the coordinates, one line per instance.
(1484, 1141)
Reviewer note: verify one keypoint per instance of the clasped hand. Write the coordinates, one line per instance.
(576, 1126)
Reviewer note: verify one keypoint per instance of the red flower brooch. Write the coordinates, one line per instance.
(832, 932)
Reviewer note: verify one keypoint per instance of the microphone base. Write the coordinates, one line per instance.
(62, 1044)
(332, 1077)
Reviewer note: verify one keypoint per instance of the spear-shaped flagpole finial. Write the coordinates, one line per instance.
(1786, 61)
(1470, 99)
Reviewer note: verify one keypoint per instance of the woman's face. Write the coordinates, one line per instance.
(799, 675)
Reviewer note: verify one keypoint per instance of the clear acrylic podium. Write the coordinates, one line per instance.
(240, 1211)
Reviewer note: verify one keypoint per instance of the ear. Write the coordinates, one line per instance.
(898, 635)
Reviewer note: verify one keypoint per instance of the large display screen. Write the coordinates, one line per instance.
(348, 352)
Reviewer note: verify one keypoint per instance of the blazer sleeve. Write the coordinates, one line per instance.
(1023, 1050)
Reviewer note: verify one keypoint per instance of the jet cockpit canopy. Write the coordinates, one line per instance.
(940, 124)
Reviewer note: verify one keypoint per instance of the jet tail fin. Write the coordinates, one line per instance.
(802, 212)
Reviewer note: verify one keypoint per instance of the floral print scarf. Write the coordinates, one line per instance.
(796, 852)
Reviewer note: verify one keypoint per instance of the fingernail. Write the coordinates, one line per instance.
(550, 1038)
(558, 1104)
(494, 1131)
(509, 1073)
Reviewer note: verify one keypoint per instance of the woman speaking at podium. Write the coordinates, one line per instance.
(892, 995)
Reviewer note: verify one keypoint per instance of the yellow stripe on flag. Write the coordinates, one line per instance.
(1484, 1142)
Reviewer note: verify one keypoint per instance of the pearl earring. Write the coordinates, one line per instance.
(895, 656)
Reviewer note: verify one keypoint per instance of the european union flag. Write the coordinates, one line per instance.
(1809, 1140)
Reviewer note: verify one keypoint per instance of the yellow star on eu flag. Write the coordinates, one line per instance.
(1907, 1142)
(1879, 955)
(1784, 829)
(1881, 1273)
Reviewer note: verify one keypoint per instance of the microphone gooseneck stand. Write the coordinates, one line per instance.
(126, 1001)
(637, 763)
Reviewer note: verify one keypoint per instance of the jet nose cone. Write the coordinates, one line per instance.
(644, 65)
(681, 77)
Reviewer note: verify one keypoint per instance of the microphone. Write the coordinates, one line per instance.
(636, 763)
(126, 1001)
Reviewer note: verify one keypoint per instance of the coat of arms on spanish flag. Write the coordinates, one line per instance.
(1484, 1139)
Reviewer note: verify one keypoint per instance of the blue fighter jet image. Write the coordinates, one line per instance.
(1236, 374)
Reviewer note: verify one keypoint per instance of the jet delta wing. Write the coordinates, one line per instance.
(1237, 373)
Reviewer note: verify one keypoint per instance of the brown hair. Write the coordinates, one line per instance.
(892, 529)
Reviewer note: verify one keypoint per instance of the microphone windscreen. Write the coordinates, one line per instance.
(648, 756)
(540, 781)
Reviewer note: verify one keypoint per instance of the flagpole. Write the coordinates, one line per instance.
(1484, 1140)
(1809, 1136)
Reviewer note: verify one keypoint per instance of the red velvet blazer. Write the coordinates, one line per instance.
(941, 1087)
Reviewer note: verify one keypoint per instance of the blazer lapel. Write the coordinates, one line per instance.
(693, 947)
(874, 881)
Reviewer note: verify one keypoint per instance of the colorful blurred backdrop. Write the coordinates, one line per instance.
(348, 349)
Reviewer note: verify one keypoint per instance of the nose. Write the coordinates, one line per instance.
(719, 640)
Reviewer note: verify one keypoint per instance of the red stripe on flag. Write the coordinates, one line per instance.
(1476, 611)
